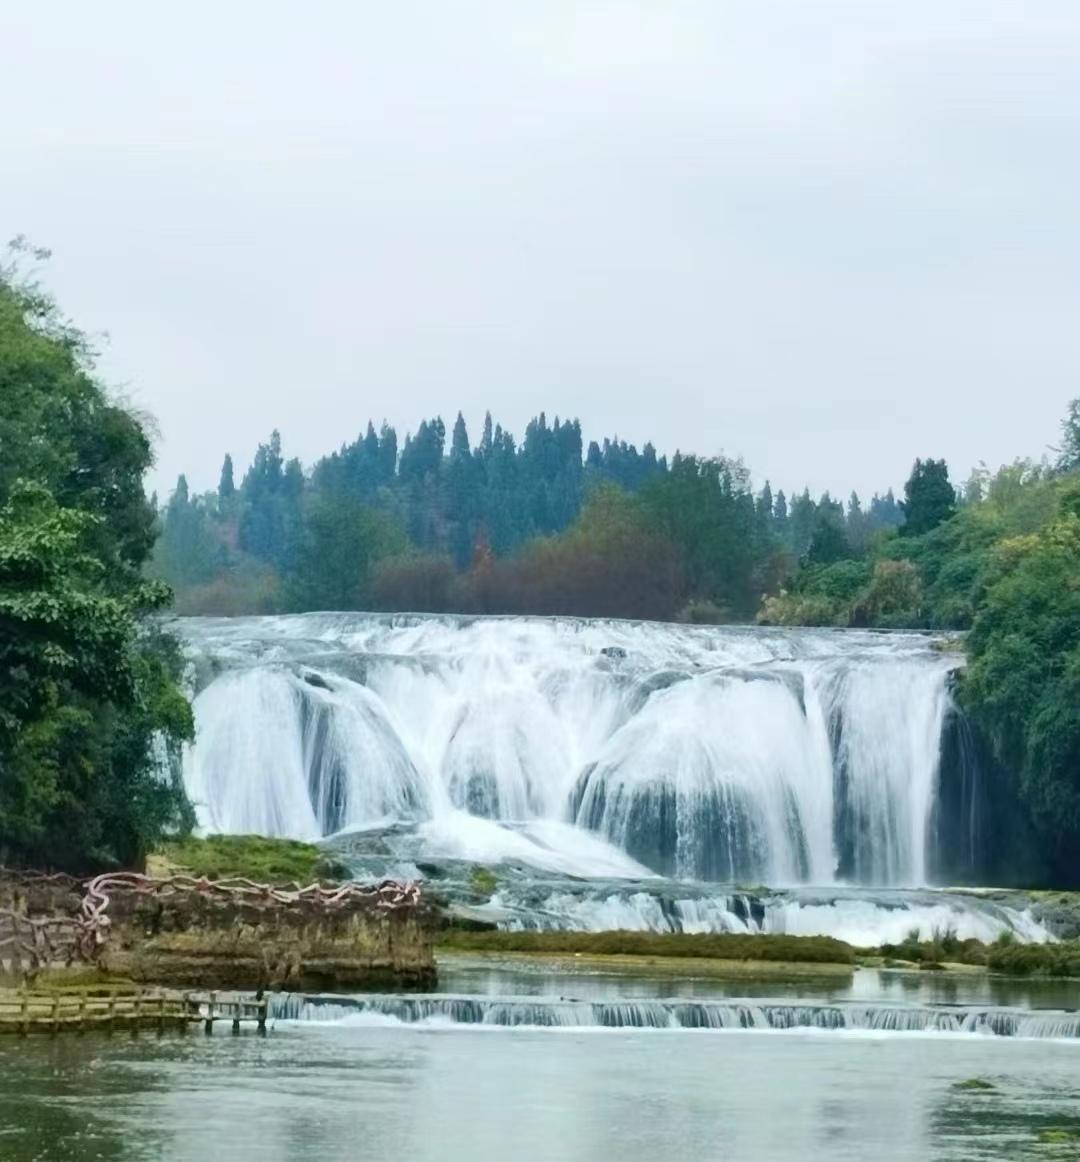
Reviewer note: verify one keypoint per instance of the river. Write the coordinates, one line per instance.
(350, 1081)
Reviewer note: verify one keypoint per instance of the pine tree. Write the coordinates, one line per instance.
(765, 504)
(226, 484)
(1069, 451)
(929, 498)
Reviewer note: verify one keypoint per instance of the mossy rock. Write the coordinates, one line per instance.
(483, 882)
(974, 1083)
(252, 857)
(1058, 1137)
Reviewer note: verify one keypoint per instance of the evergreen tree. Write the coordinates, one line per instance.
(388, 454)
(486, 440)
(1069, 451)
(802, 521)
(856, 524)
(462, 481)
(829, 543)
(187, 552)
(226, 485)
(885, 512)
(929, 497)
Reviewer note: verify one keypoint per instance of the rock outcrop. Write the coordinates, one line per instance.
(233, 934)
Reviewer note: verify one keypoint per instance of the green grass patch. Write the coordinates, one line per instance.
(483, 882)
(1058, 1137)
(253, 857)
(706, 946)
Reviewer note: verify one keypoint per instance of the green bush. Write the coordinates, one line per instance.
(1035, 959)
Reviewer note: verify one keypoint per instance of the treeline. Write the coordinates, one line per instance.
(90, 710)
(545, 526)
(1001, 558)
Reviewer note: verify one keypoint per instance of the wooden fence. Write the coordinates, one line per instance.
(44, 1012)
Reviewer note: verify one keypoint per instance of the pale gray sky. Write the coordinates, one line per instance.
(829, 235)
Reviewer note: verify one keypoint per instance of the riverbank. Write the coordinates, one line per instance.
(628, 965)
(762, 956)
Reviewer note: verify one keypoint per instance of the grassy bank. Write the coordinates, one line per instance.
(252, 857)
(1005, 957)
(706, 946)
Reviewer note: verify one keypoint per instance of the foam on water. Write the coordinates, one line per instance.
(862, 919)
(533, 1012)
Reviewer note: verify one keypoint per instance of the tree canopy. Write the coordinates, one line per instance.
(89, 705)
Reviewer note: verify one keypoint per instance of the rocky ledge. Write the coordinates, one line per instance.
(187, 932)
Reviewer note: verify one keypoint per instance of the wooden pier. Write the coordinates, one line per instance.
(26, 1012)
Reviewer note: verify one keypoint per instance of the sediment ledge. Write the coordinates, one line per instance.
(188, 932)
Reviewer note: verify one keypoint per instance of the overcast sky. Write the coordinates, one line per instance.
(827, 235)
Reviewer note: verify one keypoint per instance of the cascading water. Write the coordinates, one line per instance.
(720, 754)
(547, 1013)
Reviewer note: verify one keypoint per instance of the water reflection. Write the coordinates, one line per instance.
(344, 1092)
(478, 976)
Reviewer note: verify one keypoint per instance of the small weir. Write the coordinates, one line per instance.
(678, 1014)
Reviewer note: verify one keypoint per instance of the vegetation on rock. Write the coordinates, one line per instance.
(252, 857)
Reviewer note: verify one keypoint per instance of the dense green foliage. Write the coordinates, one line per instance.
(936, 580)
(929, 498)
(496, 528)
(1053, 960)
(1004, 563)
(90, 711)
(1023, 682)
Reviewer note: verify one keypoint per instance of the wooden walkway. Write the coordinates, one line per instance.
(54, 1012)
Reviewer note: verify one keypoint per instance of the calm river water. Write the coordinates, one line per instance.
(381, 1090)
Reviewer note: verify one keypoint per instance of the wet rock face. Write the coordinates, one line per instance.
(198, 941)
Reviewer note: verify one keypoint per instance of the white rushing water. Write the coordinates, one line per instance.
(721, 754)
(626, 1013)
(863, 918)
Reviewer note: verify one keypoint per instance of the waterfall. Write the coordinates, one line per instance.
(718, 754)
(511, 1012)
